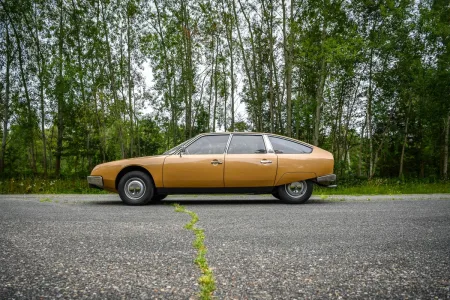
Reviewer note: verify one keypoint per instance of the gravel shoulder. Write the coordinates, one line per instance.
(93, 247)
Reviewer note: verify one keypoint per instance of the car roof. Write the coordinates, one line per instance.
(256, 133)
(230, 132)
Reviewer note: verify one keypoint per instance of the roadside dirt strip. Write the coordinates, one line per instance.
(352, 247)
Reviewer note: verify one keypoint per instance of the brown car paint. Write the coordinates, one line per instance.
(247, 170)
(223, 170)
(193, 171)
(110, 170)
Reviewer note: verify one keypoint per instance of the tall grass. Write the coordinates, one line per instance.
(46, 186)
(377, 186)
(384, 186)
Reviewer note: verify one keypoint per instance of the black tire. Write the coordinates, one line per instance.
(296, 192)
(275, 194)
(158, 197)
(136, 188)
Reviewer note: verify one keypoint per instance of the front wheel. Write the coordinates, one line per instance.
(135, 188)
(158, 197)
(296, 192)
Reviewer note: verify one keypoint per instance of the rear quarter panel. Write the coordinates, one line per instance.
(297, 167)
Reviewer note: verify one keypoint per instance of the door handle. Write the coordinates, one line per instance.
(266, 161)
(216, 162)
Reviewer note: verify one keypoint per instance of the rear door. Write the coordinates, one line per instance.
(248, 163)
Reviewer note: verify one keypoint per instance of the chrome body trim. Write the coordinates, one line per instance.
(228, 143)
(178, 152)
(266, 142)
(291, 140)
(269, 147)
(326, 178)
(200, 136)
(95, 181)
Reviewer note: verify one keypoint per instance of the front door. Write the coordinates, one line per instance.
(200, 166)
(247, 163)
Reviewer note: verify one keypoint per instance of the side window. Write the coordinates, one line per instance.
(247, 144)
(282, 146)
(210, 144)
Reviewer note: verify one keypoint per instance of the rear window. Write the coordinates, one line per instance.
(247, 144)
(282, 146)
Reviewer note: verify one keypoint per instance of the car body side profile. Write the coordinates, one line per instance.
(221, 163)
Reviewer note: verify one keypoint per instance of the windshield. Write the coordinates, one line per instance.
(176, 148)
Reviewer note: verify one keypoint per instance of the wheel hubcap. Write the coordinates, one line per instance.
(296, 189)
(135, 188)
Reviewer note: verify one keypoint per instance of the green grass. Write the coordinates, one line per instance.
(323, 197)
(206, 280)
(380, 186)
(46, 200)
(46, 186)
(377, 186)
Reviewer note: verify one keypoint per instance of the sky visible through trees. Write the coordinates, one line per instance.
(367, 80)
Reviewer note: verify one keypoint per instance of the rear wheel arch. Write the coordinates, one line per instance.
(289, 177)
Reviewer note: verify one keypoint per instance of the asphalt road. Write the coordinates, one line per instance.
(92, 246)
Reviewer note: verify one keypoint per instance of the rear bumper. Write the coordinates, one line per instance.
(326, 180)
(95, 182)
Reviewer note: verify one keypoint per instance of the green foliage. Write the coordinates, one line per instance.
(84, 82)
(46, 186)
(381, 186)
(323, 197)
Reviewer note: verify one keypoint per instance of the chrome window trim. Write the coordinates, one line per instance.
(269, 147)
(228, 144)
(291, 140)
(248, 134)
(199, 137)
(265, 136)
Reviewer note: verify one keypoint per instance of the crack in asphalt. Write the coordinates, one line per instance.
(206, 281)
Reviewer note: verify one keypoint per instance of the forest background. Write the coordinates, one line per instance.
(89, 81)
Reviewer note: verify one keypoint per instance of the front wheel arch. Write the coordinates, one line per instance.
(130, 169)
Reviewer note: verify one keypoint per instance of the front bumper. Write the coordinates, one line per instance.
(327, 180)
(95, 182)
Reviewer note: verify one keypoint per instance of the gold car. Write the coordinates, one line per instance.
(221, 163)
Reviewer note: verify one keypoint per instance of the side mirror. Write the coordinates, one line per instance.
(182, 150)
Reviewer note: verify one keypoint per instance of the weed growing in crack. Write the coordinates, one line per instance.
(46, 200)
(206, 281)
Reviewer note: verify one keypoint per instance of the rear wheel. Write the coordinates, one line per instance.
(296, 192)
(275, 194)
(135, 188)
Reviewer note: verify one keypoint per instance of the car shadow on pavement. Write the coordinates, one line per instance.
(106, 203)
(191, 201)
(217, 201)
(235, 201)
